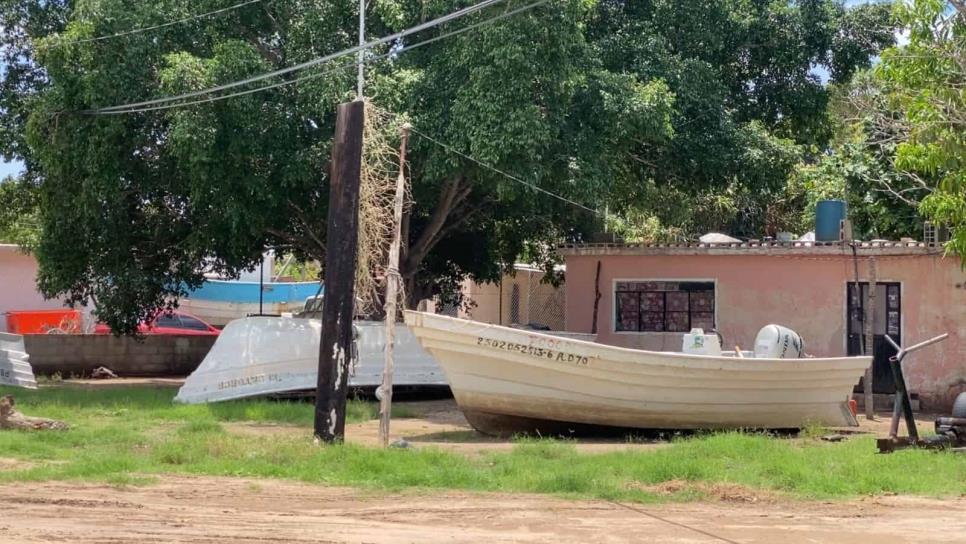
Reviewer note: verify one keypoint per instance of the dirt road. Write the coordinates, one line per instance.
(216, 510)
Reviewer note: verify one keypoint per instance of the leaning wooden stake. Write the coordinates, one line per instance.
(335, 346)
(393, 287)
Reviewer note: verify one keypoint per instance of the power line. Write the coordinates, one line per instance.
(308, 64)
(503, 173)
(675, 523)
(377, 58)
(162, 25)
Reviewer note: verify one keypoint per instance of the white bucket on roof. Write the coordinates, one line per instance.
(777, 342)
(697, 342)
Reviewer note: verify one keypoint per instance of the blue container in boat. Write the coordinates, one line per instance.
(828, 217)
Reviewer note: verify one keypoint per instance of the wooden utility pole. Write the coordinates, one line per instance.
(336, 347)
(868, 320)
(393, 287)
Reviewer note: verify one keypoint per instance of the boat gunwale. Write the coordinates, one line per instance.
(668, 358)
(723, 377)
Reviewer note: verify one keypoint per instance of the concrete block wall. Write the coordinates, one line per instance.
(160, 355)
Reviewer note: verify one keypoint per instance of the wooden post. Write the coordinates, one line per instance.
(593, 325)
(867, 321)
(335, 347)
(393, 284)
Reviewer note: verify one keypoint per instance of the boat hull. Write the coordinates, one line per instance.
(267, 355)
(498, 371)
(219, 302)
(221, 313)
(15, 369)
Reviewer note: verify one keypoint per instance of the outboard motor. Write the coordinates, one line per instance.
(777, 342)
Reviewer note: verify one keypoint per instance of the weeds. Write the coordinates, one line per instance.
(129, 436)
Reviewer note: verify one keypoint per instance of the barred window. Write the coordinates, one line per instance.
(664, 306)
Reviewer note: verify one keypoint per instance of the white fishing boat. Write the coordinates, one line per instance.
(265, 355)
(510, 380)
(15, 366)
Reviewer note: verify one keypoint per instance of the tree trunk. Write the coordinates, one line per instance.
(10, 418)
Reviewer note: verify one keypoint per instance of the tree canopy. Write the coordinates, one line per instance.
(900, 154)
(639, 107)
(924, 81)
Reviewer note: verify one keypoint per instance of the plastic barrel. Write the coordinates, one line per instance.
(828, 216)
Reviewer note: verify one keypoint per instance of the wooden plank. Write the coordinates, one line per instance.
(335, 347)
(593, 326)
(393, 287)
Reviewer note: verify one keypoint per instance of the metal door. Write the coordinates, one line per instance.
(886, 319)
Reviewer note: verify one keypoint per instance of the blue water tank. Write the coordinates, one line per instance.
(828, 216)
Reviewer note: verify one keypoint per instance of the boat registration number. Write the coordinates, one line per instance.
(542, 353)
(248, 380)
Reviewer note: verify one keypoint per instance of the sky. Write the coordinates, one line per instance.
(13, 168)
(10, 169)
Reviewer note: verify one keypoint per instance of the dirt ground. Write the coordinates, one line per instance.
(440, 424)
(228, 510)
(216, 510)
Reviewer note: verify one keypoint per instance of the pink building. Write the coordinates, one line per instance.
(650, 295)
(18, 284)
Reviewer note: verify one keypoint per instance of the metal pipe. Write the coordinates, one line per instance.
(261, 285)
(920, 345)
(360, 90)
(903, 404)
(902, 395)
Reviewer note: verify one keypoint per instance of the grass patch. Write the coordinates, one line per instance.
(127, 436)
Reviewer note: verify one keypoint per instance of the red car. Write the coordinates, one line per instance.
(170, 323)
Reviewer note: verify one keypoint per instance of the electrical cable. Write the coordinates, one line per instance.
(384, 56)
(161, 25)
(492, 168)
(308, 64)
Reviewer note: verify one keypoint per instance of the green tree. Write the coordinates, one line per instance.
(749, 105)
(133, 205)
(924, 82)
(860, 168)
(18, 213)
(21, 78)
(608, 103)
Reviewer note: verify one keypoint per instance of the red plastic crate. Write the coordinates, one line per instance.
(43, 321)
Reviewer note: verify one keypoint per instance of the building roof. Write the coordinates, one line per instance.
(524, 267)
(803, 248)
(11, 248)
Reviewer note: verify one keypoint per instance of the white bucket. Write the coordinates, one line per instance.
(697, 342)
